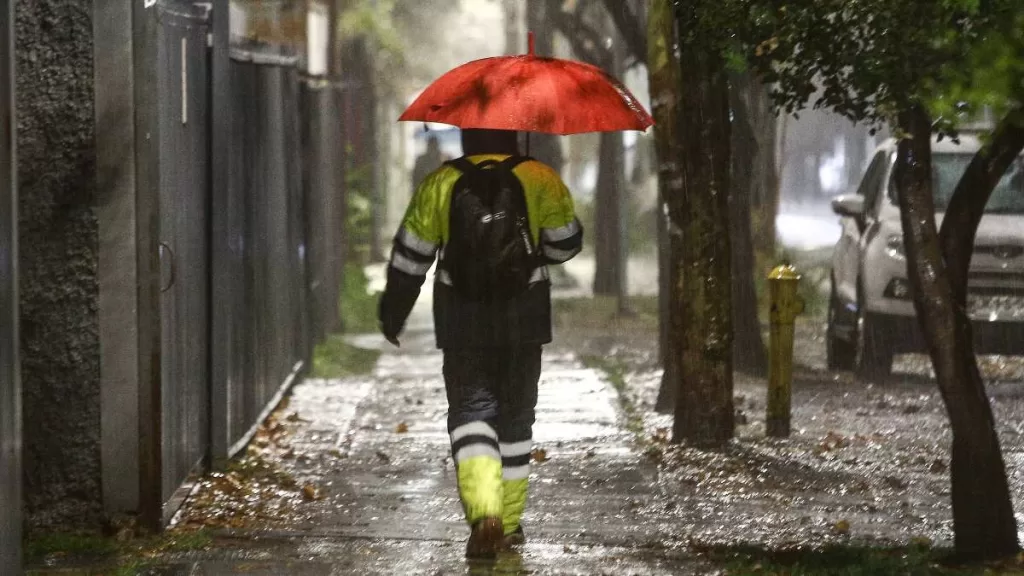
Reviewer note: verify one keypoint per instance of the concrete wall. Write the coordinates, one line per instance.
(58, 259)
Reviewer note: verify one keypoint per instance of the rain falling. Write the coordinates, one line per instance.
(511, 287)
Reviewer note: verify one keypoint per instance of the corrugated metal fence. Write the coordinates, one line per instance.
(266, 270)
(270, 339)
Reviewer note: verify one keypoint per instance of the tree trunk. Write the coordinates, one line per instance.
(704, 408)
(607, 215)
(514, 38)
(749, 343)
(765, 195)
(665, 85)
(609, 250)
(980, 532)
(539, 15)
(983, 522)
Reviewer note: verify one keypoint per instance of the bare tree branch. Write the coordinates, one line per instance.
(586, 42)
(630, 26)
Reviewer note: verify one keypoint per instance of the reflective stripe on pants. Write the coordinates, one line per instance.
(492, 394)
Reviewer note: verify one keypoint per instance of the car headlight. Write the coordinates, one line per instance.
(898, 288)
(894, 247)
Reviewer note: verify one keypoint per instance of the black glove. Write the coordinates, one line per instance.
(390, 325)
(397, 302)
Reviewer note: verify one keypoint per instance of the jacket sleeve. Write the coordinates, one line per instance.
(413, 251)
(561, 234)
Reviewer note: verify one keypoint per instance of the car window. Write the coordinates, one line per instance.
(1007, 197)
(872, 181)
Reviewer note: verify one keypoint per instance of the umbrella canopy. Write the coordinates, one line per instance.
(530, 94)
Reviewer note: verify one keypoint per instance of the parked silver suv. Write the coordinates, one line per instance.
(871, 314)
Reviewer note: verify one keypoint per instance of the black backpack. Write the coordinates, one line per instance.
(490, 253)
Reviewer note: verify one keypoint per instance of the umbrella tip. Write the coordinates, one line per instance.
(529, 42)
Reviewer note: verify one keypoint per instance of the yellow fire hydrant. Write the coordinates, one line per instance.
(786, 305)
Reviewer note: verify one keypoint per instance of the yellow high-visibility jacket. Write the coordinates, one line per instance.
(423, 234)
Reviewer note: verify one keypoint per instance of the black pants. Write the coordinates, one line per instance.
(496, 385)
(492, 396)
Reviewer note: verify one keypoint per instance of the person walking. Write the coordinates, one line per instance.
(428, 161)
(494, 220)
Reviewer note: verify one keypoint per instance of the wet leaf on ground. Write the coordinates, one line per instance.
(661, 436)
(402, 428)
(921, 541)
(539, 455)
(311, 492)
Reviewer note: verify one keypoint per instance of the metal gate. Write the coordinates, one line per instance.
(10, 385)
(184, 83)
(270, 342)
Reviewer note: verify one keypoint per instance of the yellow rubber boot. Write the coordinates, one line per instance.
(514, 492)
(480, 488)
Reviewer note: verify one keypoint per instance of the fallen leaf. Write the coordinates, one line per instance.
(310, 492)
(841, 527)
(660, 435)
(402, 428)
(539, 455)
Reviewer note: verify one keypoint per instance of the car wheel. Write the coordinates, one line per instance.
(840, 354)
(874, 350)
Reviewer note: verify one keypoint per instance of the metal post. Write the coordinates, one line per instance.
(114, 93)
(147, 234)
(786, 305)
(222, 260)
(10, 377)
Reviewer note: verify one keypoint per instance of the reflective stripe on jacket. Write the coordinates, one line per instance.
(425, 231)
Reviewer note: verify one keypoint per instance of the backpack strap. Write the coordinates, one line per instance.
(512, 161)
(463, 165)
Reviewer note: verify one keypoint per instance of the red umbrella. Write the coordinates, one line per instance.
(529, 93)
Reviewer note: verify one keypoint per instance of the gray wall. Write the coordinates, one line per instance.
(10, 389)
(58, 261)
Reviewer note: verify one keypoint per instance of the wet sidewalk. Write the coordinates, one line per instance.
(370, 459)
